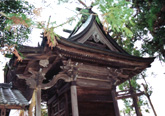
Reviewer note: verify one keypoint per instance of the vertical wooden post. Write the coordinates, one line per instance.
(135, 100)
(3, 112)
(74, 100)
(115, 101)
(137, 109)
(38, 101)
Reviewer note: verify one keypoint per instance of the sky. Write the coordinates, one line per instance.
(60, 13)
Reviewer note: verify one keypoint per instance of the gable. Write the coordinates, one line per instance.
(92, 35)
(95, 37)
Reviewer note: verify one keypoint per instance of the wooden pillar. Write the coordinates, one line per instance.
(135, 100)
(74, 100)
(38, 101)
(115, 101)
(3, 112)
(137, 109)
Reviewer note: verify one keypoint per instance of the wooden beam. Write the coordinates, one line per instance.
(74, 101)
(94, 83)
(12, 107)
(45, 70)
(129, 95)
(94, 79)
(31, 63)
(54, 80)
(37, 56)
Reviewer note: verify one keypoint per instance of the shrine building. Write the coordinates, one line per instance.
(78, 77)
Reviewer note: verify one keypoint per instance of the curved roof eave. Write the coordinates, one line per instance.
(81, 46)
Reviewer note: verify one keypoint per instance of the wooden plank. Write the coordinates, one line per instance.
(94, 84)
(96, 109)
(94, 95)
(12, 107)
(66, 104)
(95, 79)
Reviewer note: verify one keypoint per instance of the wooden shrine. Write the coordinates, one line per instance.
(79, 76)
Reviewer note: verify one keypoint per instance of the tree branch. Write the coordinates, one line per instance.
(83, 3)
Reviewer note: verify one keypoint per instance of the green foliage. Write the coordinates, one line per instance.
(116, 14)
(44, 111)
(14, 23)
(63, 1)
(149, 18)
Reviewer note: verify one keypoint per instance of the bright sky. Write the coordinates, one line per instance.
(60, 13)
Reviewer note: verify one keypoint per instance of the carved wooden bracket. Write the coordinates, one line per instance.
(70, 69)
(116, 75)
(35, 80)
(55, 79)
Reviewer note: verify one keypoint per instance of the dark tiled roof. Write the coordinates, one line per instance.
(11, 98)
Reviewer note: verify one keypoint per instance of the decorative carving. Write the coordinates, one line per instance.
(70, 68)
(116, 74)
(96, 38)
(55, 79)
(44, 63)
(35, 80)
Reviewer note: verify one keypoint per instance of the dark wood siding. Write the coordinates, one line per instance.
(95, 102)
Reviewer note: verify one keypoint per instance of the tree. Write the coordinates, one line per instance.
(15, 25)
(150, 18)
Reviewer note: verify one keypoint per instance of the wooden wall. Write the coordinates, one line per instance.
(95, 102)
(91, 102)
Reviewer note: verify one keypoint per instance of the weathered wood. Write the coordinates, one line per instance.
(137, 109)
(135, 101)
(37, 56)
(66, 104)
(45, 70)
(90, 66)
(55, 79)
(93, 95)
(118, 61)
(115, 101)
(38, 101)
(74, 101)
(96, 109)
(12, 107)
(129, 95)
(3, 112)
(94, 84)
(148, 96)
(94, 79)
